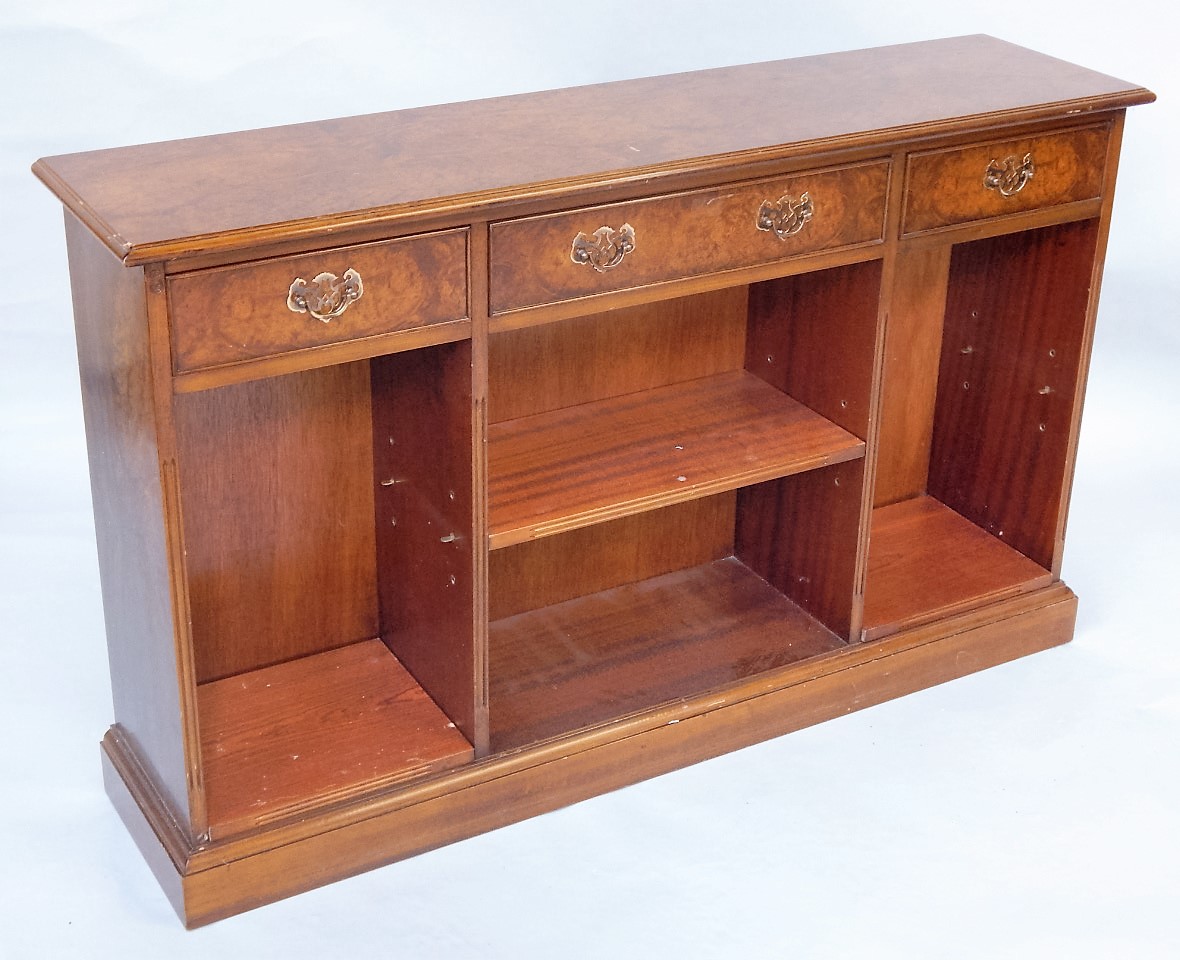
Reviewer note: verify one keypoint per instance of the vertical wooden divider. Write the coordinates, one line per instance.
(909, 380)
(477, 307)
(423, 517)
(817, 337)
(885, 295)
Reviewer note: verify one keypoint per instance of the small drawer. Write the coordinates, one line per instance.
(247, 311)
(985, 180)
(580, 253)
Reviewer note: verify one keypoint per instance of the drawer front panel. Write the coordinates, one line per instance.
(985, 180)
(244, 312)
(534, 260)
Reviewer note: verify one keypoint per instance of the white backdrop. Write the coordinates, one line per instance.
(1025, 812)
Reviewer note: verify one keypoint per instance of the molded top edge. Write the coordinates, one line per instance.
(182, 197)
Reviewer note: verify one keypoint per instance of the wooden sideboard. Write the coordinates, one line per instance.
(455, 464)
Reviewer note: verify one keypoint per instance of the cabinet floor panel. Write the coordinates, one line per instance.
(580, 465)
(927, 562)
(299, 734)
(608, 654)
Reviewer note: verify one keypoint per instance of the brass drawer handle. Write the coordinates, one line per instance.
(786, 217)
(326, 296)
(605, 248)
(1009, 176)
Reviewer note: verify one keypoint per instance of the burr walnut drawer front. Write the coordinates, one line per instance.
(985, 180)
(620, 246)
(248, 311)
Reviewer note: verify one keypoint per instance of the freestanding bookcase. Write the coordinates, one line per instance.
(454, 464)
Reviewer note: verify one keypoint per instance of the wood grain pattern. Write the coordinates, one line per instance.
(800, 535)
(813, 336)
(114, 363)
(422, 423)
(302, 733)
(188, 196)
(683, 235)
(276, 480)
(539, 573)
(545, 367)
(926, 563)
(946, 187)
(233, 314)
(569, 468)
(1011, 358)
(913, 347)
(599, 657)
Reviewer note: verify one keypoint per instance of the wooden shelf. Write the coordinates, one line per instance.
(926, 562)
(580, 465)
(301, 733)
(604, 655)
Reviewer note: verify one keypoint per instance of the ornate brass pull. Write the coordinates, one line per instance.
(786, 217)
(605, 248)
(1009, 176)
(326, 296)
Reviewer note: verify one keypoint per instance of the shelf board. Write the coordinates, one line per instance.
(301, 733)
(927, 562)
(580, 465)
(599, 657)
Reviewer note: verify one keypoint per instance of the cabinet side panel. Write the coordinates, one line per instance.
(913, 345)
(114, 360)
(423, 462)
(1011, 354)
(276, 491)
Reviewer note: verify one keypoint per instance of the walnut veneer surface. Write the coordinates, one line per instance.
(457, 463)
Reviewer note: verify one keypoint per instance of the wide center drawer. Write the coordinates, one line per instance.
(594, 250)
(994, 179)
(253, 310)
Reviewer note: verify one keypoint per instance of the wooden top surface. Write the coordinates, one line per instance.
(164, 200)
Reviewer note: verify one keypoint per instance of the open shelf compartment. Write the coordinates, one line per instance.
(614, 618)
(674, 497)
(980, 407)
(328, 548)
(626, 649)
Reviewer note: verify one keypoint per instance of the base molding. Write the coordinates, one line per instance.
(209, 881)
